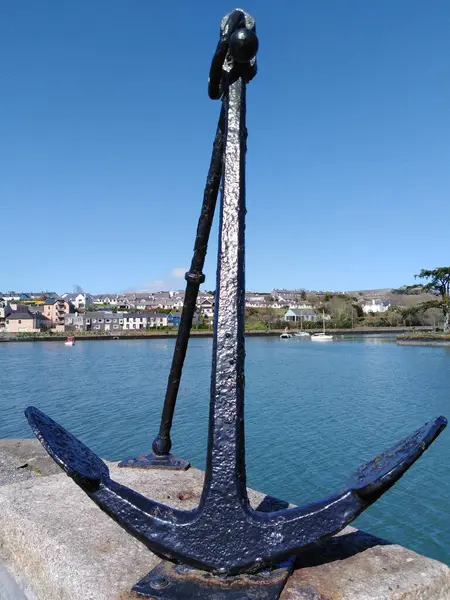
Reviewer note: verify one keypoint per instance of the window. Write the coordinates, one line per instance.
(94, 320)
(115, 327)
(97, 327)
(100, 320)
(20, 321)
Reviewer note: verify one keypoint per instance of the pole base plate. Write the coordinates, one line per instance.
(153, 461)
(168, 581)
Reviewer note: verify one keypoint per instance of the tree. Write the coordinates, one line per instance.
(408, 290)
(437, 284)
(268, 316)
(358, 309)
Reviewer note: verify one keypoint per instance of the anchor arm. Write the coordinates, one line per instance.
(92, 474)
(375, 477)
(262, 539)
(299, 527)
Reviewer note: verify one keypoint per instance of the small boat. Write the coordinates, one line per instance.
(285, 336)
(70, 341)
(300, 333)
(322, 336)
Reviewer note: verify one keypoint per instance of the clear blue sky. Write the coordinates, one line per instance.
(106, 131)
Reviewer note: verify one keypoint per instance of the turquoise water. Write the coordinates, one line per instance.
(314, 412)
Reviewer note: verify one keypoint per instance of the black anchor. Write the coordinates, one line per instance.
(224, 548)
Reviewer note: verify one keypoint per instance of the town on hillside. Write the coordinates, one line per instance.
(40, 312)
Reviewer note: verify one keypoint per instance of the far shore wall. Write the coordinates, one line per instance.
(196, 333)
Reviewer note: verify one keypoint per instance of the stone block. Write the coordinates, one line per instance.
(57, 540)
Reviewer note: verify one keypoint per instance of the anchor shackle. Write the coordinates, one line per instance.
(237, 47)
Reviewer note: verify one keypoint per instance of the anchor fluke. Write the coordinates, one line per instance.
(77, 460)
(376, 476)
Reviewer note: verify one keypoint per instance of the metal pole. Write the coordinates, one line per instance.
(194, 277)
(161, 457)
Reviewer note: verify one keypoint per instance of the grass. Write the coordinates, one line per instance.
(425, 335)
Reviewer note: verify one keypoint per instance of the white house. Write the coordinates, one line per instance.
(376, 305)
(79, 300)
(296, 315)
(205, 307)
(163, 300)
(288, 297)
(177, 301)
(101, 299)
(3, 312)
(11, 297)
(144, 320)
(301, 305)
(255, 300)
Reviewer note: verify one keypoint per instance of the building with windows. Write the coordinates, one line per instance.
(4, 310)
(97, 321)
(55, 309)
(297, 315)
(79, 301)
(24, 321)
(144, 320)
(375, 305)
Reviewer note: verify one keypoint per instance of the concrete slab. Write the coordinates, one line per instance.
(67, 549)
(21, 460)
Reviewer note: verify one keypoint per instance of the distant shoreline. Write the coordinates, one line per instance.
(423, 339)
(195, 333)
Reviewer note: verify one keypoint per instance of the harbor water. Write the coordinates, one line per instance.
(314, 412)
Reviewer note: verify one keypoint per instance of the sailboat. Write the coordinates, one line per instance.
(301, 333)
(322, 336)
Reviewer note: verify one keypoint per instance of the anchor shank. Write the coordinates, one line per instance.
(225, 468)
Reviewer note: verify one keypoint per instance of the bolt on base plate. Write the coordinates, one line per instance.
(153, 461)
